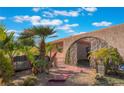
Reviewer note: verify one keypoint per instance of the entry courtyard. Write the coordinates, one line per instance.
(80, 60)
(61, 46)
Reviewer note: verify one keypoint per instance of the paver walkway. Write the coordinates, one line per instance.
(63, 73)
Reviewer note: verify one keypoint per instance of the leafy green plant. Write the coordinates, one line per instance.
(109, 81)
(30, 81)
(109, 56)
(49, 48)
(37, 65)
(6, 68)
(2, 32)
(7, 42)
(39, 32)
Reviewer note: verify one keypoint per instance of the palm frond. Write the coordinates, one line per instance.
(2, 32)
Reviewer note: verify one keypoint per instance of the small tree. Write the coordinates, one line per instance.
(42, 33)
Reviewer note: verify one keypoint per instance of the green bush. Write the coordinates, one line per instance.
(6, 68)
(39, 65)
(109, 80)
(30, 81)
(109, 56)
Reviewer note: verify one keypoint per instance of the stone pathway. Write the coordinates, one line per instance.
(64, 75)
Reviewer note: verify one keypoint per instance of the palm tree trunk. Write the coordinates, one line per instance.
(42, 49)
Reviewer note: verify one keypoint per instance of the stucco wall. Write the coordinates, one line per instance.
(114, 36)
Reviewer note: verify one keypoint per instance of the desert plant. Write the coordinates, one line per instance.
(25, 44)
(49, 48)
(39, 65)
(109, 56)
(2, 32)
(30, 81)
(6, 68)
(42, 33)
(7, 42)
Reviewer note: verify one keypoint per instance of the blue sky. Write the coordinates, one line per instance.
(68, 21)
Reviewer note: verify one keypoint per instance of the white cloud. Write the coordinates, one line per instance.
(66, 13)
(21, 19)
(2, 18)
(70, 13)
(66, 20)
(90, 9)
(103, 23)
(36, 9)
(37, 20)
(52, 13)
(64, 27)
(48, 14)
(72, 25)
(33, 19)
(54, 22)
(67, 26)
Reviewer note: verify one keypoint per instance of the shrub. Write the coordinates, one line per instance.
(39, 65)
(109, 56)
(30, 81)
(6, 68)
(99, 77)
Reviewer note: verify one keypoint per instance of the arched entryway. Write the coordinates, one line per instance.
(78, 52)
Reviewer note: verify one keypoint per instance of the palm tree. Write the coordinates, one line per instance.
(2, 32)
(7, 42)
(6, 68)
(42, 33)
(4, 37)
(25, 44)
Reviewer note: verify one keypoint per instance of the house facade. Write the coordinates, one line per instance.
(75, 48)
